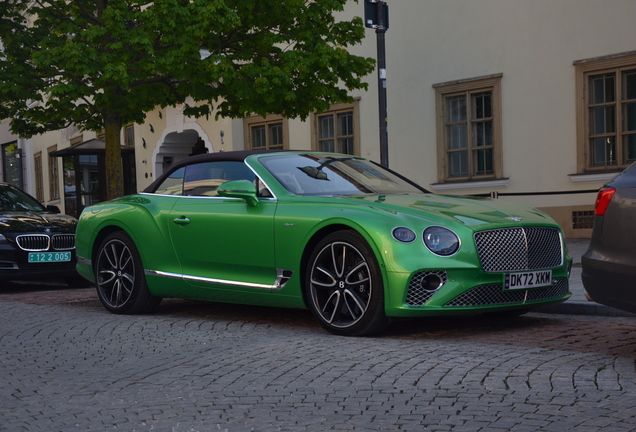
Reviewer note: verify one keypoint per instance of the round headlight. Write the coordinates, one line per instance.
(441, 241)
(404, 235)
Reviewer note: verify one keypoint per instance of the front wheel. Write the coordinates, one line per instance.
(121, 283)
(343, 286)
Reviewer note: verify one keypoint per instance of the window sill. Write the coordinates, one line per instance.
(474, 184)
(601, 177)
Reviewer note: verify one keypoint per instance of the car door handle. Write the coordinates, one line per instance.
(182, 220)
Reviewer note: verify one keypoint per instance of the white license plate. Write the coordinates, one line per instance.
(42, 257)
(525, 280)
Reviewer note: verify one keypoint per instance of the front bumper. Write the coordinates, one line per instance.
(469, 291)
(14, 265)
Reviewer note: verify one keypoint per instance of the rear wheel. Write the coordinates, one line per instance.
(344, 286)
(121, 283)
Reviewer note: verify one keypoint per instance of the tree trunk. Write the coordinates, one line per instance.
(114, 171)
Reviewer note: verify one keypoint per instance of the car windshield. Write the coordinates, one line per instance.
(12, 199)
(334, 175)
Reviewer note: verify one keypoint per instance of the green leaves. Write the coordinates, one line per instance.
(264, 57)
(93, 62)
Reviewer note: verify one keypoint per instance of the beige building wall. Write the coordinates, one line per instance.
(533, 45)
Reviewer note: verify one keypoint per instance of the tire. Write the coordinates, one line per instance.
(343, 286)
(119, 274)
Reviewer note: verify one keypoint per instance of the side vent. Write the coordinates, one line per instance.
(583, 219)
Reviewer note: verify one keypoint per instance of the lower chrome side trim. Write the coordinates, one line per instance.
(282, 278)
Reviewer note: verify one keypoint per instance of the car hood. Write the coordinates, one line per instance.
(476, 213)
(30, 222)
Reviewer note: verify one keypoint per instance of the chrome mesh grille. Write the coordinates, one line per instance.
(517, 249)
(489, 295)
(33, 242)
(63, 241)
(417, 295)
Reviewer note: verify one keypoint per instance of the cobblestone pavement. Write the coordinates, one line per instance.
(66, 364)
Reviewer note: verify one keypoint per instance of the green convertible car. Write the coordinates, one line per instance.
(352, 241)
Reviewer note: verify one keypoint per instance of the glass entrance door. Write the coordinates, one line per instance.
(85, 180)
(11, 164)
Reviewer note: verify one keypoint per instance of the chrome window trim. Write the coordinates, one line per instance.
(272, 198)
(266, 199)
(261, 179)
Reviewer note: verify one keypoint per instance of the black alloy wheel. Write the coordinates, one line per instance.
(121, 283)
(344, 285)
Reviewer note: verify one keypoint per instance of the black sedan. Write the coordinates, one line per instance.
(609, 265)
(36, 242)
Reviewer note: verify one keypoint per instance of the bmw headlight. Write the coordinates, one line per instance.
(441, 241)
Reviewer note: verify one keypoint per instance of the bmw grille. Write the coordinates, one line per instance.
(42, 242)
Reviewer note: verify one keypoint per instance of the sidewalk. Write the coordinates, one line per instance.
(578, 304)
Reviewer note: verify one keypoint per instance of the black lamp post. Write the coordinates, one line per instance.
(376, 16)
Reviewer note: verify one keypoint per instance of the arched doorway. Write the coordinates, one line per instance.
(176, 146)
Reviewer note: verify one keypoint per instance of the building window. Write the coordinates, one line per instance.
(129, 136)
(266, 133)
(606, 112)
(39, 187)
(469, 129)
(12, 164)
(54, 176)
(76, 140)
(336, 130)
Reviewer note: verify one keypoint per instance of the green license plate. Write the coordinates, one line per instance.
(41, 257)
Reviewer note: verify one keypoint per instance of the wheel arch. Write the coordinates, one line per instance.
(326, 230)
(101, 235)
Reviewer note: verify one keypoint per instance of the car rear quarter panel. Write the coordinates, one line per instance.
(145, 221)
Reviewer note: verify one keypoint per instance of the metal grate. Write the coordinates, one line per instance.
(33, 242)
(63, 241)
(493, 294)
(517, 249)
(418, 295)
(583, 219)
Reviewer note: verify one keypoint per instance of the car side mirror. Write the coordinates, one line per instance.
(53, 209)
(243, 189)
